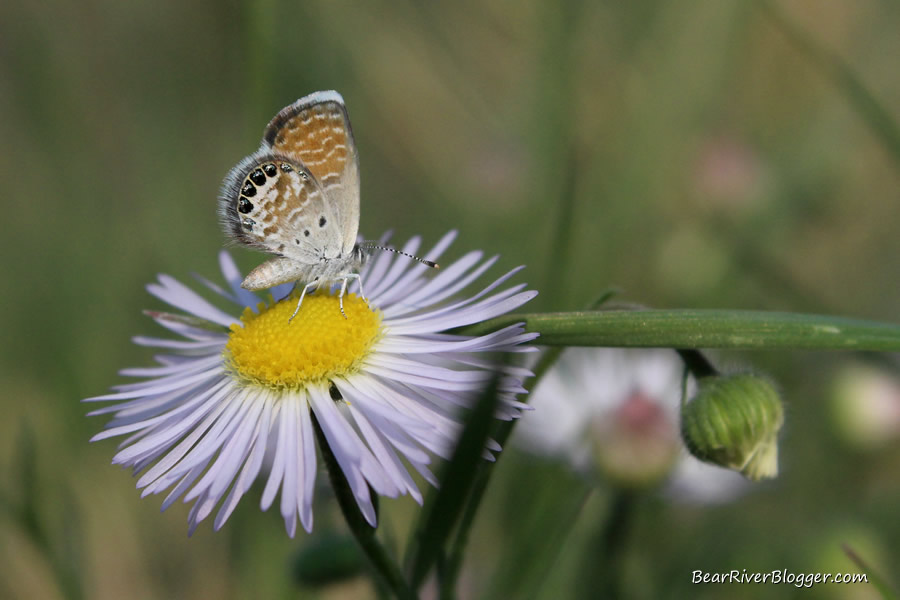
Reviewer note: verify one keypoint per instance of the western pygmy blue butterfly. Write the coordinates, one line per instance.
(298, 197)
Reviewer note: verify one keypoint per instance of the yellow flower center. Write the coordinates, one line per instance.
(267, 349)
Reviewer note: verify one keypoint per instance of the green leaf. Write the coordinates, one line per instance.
(736, 329)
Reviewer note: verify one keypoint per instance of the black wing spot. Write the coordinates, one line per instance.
(306, 232)
(296, 241)
(249, 189)
(286, 167)
(322, 221)
(270, 170)
(258, 177)
(244, 205)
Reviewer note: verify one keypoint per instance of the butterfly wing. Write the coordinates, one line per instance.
(276, 205)
(315, 132)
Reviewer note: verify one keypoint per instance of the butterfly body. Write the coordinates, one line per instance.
(297, 197)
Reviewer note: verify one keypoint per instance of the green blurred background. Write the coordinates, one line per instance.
(693, 154)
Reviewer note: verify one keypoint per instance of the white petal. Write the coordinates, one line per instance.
(173, 292)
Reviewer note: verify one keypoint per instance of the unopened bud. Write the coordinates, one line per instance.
(733, 422)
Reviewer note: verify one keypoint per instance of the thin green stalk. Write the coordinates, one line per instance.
(697, 363)
(383, 564)
(258, 20)
(734, 329)
(602, 568)
(553, 141)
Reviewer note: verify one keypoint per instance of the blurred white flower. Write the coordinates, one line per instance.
(865, 406)
(615, 413)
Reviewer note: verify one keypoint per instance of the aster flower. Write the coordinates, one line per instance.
(615, 412)
(237, 396)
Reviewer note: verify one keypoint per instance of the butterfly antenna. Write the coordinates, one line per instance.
(427, 263)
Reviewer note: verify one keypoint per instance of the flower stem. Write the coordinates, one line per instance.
(383, 564)
(697, 363)
(735, 329)
(603, 564)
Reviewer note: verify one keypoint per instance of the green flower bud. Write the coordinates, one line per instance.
(733, 422)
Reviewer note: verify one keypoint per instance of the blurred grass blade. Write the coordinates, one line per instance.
(484, 470)
(858, 95)
(444, 505)
(383, 564)
(875, 579)
(537, 542)
(62, 548)
(735, 329)
(24, 508)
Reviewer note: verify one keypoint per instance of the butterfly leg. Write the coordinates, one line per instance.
(359, 280)
(302, 295)
(341, 295)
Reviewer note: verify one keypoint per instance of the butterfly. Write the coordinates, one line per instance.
(297, 197)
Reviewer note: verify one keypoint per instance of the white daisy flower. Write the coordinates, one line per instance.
(236, 397)
(616, 412)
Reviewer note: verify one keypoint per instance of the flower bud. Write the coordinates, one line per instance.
(733, 422)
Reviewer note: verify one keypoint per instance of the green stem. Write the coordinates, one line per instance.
(384, 565)
(697, 363)
(735, 329)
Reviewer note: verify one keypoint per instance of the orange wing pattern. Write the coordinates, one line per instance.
(315, 132)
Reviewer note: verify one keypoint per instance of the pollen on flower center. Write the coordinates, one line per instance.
(319, 343)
